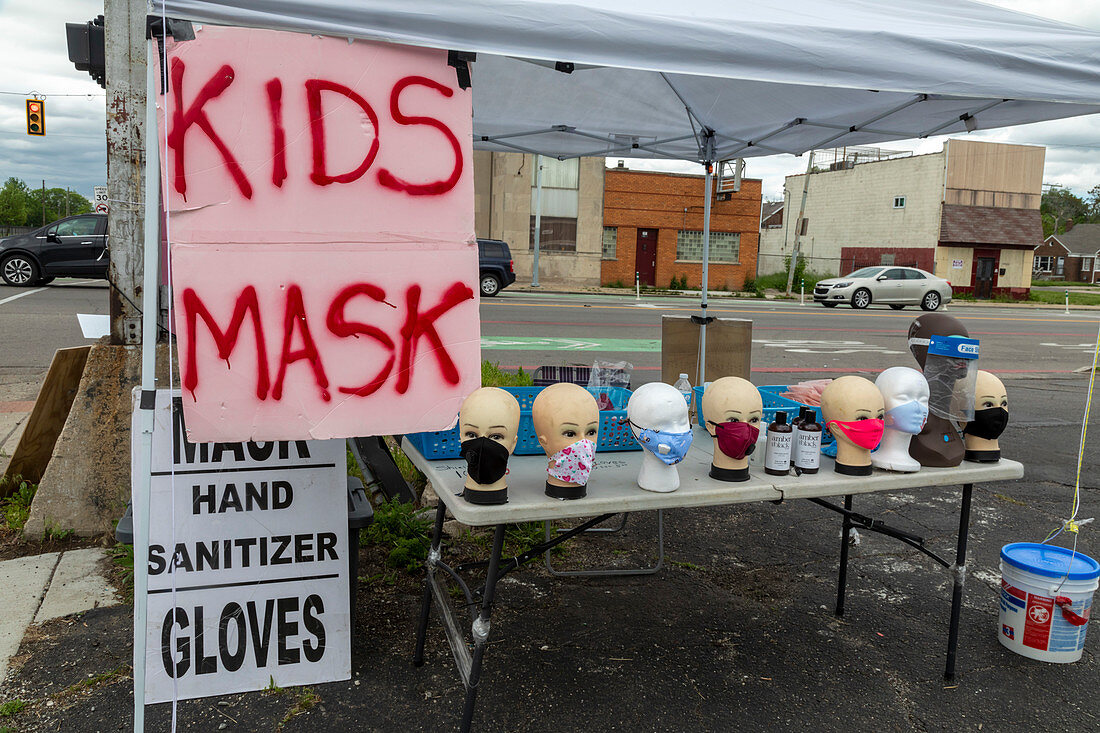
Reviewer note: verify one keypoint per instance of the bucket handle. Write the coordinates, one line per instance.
(1064, 603)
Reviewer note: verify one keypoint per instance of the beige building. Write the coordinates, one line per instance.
(571, 238)
(969, 213)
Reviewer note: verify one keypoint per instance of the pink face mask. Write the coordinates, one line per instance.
(573, 463)
(864, 433)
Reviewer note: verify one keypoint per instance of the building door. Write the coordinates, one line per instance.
(645, 257)
(983, 277)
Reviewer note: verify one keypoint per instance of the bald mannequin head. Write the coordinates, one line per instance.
(562, 414)
(492, 413)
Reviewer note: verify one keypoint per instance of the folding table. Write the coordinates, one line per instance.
(612, 489)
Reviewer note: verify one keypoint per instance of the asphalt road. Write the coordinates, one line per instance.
(35, 322)
(528, 329)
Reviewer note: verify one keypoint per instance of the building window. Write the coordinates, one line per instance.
(1043, 264)
(1086, 264)
(610, 239)
(899, 202)
(560, 181)
(1061, 266)
(724, 246)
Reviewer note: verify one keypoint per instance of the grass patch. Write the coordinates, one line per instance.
(123, 558)
(17, 506)
(95, 681)
(1059, 283)
(778, 281)
(686, 565)
(12, 707)
(1056, 298)
(399, 530)
(305, 700)
(493, 376)
(353, 467)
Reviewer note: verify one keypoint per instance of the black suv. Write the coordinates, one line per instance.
(496, 266)
(75, 246)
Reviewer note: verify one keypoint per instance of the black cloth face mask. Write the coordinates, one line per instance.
(486, 459)
(988, 423)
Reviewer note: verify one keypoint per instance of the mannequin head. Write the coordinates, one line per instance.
(488, 415)
(565, 414)
(658, 416)
(853, 410)
(905, 398)
(928, 325)
(990, 417)
(731, 399)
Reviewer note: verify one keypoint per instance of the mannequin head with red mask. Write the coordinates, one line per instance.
(853, 409)
(734, 414)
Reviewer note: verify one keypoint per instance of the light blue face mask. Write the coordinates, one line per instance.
(669, 447)
(908, 417)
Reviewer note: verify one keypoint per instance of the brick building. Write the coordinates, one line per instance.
(653, 224)
(1070, 256)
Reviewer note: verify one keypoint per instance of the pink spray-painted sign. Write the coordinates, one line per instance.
(320, 199)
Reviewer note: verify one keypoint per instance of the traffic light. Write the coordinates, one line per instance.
(36, 117)
(86, 48)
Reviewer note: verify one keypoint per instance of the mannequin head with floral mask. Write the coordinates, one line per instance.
(658, 417)
(853, 410)
(566, 420)
(905, 397)
(990, 419)
(488, 430)
(734, 416)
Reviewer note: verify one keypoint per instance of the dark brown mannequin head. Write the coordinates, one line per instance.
(932, 324)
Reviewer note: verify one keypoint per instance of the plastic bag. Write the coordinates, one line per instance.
(607, 375)
(951, 369)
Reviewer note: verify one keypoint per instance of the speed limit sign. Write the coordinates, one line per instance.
(100, 202)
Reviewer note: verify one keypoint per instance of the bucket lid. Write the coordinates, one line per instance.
(1050, 561)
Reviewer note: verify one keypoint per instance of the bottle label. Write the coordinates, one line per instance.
(808, 449)
(777, 454)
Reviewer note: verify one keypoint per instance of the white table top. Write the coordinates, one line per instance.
(613, 486)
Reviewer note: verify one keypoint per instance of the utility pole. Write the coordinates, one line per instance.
(798, 225)
(43, 202)
(66, 200)
(125, 22)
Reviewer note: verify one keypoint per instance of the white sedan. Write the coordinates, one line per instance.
(893, 286)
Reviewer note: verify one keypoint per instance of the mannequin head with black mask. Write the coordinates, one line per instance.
(734, 413)
(990, 419)
(488, 426)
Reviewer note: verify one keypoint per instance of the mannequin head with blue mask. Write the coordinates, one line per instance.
(905, 397)
(658, 416)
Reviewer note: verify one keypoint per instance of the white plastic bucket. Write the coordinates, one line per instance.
(1045, 601)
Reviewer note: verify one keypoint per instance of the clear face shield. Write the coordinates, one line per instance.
(951, 369)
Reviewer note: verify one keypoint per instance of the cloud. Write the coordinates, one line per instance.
(34, 57)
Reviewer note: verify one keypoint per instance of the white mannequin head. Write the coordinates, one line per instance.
(658, 407)
(905, 397)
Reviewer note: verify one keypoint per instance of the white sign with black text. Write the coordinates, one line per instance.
(248, 563)
(100, 202)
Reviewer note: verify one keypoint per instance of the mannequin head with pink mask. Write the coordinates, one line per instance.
(853, 409)
(566, 420)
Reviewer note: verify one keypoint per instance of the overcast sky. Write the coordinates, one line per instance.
(34, 58)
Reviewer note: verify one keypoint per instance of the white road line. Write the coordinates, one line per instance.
(17, 296)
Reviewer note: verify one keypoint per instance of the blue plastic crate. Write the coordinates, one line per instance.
(771, 396)
(614, 433)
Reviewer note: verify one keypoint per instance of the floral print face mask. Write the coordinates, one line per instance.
(573, 463)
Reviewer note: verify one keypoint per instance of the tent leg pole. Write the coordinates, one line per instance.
(702, 359)
(142, 480)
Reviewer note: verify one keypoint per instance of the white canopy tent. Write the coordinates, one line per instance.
(714, 80)
(708, 80)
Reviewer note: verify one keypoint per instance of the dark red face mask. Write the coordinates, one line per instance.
(735, 439)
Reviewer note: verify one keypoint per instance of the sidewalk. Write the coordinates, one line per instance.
(40, 588)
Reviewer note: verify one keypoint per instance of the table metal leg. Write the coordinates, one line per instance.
(426, 602)
(480, 631)
(960, 580)
(842, 573)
